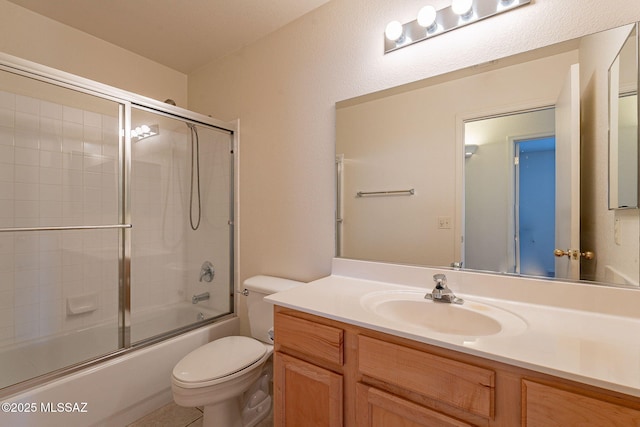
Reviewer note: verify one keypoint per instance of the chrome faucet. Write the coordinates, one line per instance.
(441, 292)
(200, 297)
(207, 272)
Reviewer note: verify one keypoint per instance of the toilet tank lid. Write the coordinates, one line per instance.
(269, 284)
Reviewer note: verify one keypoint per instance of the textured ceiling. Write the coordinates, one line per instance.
(181, 34)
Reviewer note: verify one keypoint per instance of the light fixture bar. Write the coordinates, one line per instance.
(447, 20)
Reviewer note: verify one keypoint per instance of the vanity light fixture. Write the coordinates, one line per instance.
(431, 22)
(144, 131)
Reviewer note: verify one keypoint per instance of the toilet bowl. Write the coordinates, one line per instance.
(230, 376)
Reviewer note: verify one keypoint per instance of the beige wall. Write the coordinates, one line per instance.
(284, 88)
(598, 223)
(33, 37)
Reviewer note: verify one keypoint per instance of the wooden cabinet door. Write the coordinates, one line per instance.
(305, 394)
(376, 408)
(546, 406)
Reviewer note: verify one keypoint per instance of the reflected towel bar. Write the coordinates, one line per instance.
(71, 227)
(410, 192)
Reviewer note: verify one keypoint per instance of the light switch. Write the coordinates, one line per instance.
(444, 222)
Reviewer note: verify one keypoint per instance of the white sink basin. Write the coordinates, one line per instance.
(470, 319)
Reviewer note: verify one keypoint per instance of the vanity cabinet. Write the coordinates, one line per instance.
(329, 373)
(548, 406)
(308, 380)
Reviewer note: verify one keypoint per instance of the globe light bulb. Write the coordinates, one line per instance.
(427, 17)
(393, 31)
(461, 7)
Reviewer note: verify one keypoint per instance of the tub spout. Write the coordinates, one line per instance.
(200, 297)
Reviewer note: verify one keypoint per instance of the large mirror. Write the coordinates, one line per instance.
(623, 126)
(436, 172)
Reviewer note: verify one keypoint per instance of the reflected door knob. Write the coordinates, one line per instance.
(574, 254)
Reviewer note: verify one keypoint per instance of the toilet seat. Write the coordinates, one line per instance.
(218, 361)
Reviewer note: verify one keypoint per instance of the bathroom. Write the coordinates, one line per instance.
(283, 89)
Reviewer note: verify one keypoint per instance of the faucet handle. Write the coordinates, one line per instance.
(440, 279)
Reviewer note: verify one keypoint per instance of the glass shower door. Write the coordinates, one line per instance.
(60, 227)
(181, 211)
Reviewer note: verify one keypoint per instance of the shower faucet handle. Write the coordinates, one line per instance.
(207, 273)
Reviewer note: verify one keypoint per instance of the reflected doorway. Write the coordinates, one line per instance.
(535, 188)
(500, 232)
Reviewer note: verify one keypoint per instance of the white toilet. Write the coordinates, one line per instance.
(229, 376)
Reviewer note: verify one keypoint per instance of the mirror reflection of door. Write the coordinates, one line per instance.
(510, 180)
(535, 192)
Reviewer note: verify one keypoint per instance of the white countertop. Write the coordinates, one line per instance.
(597, 347)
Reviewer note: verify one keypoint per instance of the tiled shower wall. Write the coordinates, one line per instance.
(158, 202)
(58, 167)
(167, 255)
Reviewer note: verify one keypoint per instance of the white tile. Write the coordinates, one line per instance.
(92, 163)
(7, 209)
(26, 331)
(26, 242)
(6, 154)
(7, 100)
(50, 325)
(25, 265)
(72, 161)
(51, 176)
(50, 159)
(25, 121)
(26, 311)
(51, 142)
(26, 156)
(72, 193)
(52, 210)
(26, 191)
(7, 117)
(6, 316)
(49, 260)
(72, 241)
(92, 119)
(72, 178)
(27, 174)
(51, 277)
(7, 243)
(50, 192)
(72, 211)
(25, 222)
(25, 209)
(6, 190)
(72, 145)
(70, 114)
(93, 134)
(51, 110)
(6, 281)
(6, 137)
(27, 104)
(72, 273)
(6, 299)
(50, 126)
(92, 180)
(110, 148)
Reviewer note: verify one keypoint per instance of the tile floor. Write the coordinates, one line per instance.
(172, 415)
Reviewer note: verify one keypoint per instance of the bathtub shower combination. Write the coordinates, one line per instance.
(116, 223)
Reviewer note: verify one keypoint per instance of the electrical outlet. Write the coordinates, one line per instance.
(444, 222)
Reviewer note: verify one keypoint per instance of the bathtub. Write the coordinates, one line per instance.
(115, 392)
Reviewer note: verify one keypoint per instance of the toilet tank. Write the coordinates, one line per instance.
(261, 312)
